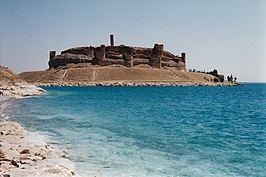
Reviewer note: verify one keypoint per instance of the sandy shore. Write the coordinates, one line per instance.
(23, 155)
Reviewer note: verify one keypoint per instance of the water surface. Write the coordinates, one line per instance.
(153, 131)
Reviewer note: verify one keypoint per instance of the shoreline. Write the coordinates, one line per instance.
(21, 90)
(135, 84)
(21, 154)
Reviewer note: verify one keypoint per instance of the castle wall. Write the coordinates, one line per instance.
(128, 60)
(99, 54)
(127, 56)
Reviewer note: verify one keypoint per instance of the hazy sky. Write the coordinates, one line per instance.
(227, 35)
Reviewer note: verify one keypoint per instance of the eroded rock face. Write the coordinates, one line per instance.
(12, 85)
(126, 56)
(8, 77)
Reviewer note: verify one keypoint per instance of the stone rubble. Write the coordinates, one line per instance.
(21, 157)
(21, 90)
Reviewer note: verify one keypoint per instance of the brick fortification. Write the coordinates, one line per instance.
(127, 56)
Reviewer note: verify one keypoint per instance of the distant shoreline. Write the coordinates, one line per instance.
(135, 84)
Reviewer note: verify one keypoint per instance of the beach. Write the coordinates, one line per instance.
(24, 153)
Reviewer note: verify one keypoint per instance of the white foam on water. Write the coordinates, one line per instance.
(98, 152)
(37, 137)
(193, 165)
(103, 153)
(6, 117)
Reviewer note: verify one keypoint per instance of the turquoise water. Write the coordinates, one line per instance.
(153, 131)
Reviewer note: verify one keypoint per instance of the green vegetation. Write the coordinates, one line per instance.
(231, 79)
(219, 77)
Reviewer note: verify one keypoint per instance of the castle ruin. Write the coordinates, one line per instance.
(127, 56)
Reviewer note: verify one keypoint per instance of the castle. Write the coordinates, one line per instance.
(122, 55)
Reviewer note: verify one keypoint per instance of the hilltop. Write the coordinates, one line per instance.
(74, 75)
(118, 65)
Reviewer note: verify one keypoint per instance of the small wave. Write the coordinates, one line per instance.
(6, 117)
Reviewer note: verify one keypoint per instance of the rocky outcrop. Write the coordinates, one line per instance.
(8, 77)
(13, 85)
(19, 90)
(22, 155)
(127, 56)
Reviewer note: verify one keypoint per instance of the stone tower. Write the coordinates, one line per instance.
(183, 56)
(156, 56)
(112, 40)
(52, 55)
(99, 54)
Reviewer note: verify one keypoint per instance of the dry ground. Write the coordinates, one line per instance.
(103, 74)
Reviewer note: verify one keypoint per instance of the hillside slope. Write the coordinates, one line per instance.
(113, 74)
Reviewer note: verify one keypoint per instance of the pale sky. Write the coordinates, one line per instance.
(227, 35)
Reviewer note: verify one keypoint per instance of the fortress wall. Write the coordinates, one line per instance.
(126, 56)
(128, 60)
